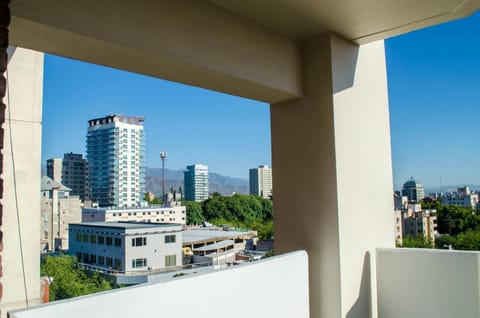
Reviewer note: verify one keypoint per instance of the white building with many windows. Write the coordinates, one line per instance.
(126, 247)
(116, 160)
(195, 183)
(261, 181)
(151, 214)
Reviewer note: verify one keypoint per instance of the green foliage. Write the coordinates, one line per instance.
(239, 211)
(194, 212)
(468, 241)
(69, 280)
(419, 242)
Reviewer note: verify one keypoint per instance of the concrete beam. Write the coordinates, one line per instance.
(187, 41)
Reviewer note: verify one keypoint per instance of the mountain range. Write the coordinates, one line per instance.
(174, 178)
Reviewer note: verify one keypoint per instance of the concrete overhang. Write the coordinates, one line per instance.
(248, 48)
(360, 21)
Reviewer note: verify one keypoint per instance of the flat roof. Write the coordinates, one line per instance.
(214, 246)
(127, 225)
(192, 236)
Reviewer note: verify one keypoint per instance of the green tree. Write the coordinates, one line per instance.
(194, 212)
(418, 242)
(70, 281)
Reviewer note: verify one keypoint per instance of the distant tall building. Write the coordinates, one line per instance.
(54, 169)
(261, 181)
(116, 160)
(74, 173)
(71, 171)
(413, 190)
(195, 183)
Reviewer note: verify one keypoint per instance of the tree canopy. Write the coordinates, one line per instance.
(68, 280)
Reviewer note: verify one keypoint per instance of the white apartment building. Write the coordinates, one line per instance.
(196, 183)
(152, 214)
(463, 197)
(116, 160)
(126, 247)
(261, 181)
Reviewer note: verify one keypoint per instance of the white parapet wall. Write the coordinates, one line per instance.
(275, 287)
(428, 283)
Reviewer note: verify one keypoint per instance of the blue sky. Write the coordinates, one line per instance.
(434, 93)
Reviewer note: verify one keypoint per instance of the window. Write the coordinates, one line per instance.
(93, 238)
(109, 262)
(170, 238)
(79, 237)
(118, 241)
(85, 238)
(93, 258)
(109, 241)
(170, 260)
(117, 264)
(101, 240)
(101, 260)
(139, 241)
(79, 256)
(139, 262)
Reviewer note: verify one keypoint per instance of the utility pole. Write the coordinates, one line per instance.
(163, 156)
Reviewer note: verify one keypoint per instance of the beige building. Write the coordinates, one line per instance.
(421, 224)
(261, 181)
(58, 209)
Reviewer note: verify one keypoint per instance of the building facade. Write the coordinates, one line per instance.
(413, 190)
(151, 214)
(464, 197)
(126, 247)
(54, 169)
(116, 160)
(195, 183)
(261, 181)
(58, 208)
(75, 174)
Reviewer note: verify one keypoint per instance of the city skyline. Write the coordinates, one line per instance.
(432, 76)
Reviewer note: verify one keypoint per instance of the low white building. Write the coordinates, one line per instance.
(152, 214)
(126, 247)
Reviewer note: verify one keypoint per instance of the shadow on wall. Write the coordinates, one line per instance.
(362, 307)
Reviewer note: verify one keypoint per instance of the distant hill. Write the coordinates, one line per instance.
(174, 178)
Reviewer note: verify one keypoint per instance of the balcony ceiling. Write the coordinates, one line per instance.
(361, 21)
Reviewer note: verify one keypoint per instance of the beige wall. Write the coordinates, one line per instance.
(331, 151)
(24, 100)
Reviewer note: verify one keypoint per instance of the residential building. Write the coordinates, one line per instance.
(463, 197)
(58, 208)
(126, 247)
(413, 190)
(75, 173)
(195, 183)
(400, 201)
(116, 160)
(151, 214)
(54, 169)
(421, 224)
(261, 181)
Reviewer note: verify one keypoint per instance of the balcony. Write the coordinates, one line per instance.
(321, 67)
(411, 283)
(276, 287)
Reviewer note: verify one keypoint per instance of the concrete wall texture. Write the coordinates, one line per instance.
(428, 283)
(22, 174)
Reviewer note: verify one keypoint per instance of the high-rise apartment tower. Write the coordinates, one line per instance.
(261, 181)
(196, 183)
(116, 160)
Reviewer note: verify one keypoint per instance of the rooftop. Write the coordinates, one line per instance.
(192, 236)
(127, 225)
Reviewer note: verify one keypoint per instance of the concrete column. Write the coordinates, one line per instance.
(332, 173)
(23, 132)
